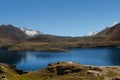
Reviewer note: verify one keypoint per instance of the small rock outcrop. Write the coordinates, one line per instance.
(62, 68)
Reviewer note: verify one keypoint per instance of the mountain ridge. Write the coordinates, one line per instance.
(12, 32)
(113, 32)
(108, 37)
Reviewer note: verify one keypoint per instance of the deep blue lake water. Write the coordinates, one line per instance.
(30, 61)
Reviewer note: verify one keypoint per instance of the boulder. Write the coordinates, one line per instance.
(61, 68)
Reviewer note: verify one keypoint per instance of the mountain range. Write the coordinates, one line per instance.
(15, 33)
(36, 40)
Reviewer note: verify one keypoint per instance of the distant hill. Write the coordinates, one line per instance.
(51, 38)
(112, 32)
(11, 32)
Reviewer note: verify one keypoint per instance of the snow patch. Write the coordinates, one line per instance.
(92, 33)
(30, 32)
(115, 23)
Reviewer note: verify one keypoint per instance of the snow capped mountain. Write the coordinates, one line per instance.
(92, 33)
(30, 32)
(12, 32)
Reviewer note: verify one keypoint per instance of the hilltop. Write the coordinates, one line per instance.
(11, 32)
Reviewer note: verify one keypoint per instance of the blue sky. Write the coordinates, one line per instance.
(60, 17)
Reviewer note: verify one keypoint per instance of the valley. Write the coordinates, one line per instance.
(14, 39)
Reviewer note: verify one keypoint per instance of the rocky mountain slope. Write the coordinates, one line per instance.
(12, 32)
(112, 32)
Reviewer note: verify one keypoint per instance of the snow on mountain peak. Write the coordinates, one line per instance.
(92, 33)
(115, 23)
(30, 32)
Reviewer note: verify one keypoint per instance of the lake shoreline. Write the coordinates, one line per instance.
(53, 49)
(89, 56)
(60, 70)
(56, 46)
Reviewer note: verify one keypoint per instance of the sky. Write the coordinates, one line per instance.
(60, 17)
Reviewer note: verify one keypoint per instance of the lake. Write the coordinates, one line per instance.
(31, 61)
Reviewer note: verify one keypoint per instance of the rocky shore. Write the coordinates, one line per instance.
(62, 71)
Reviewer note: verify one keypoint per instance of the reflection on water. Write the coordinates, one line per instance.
(12, 57)
(115, 56)
(38, 60)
